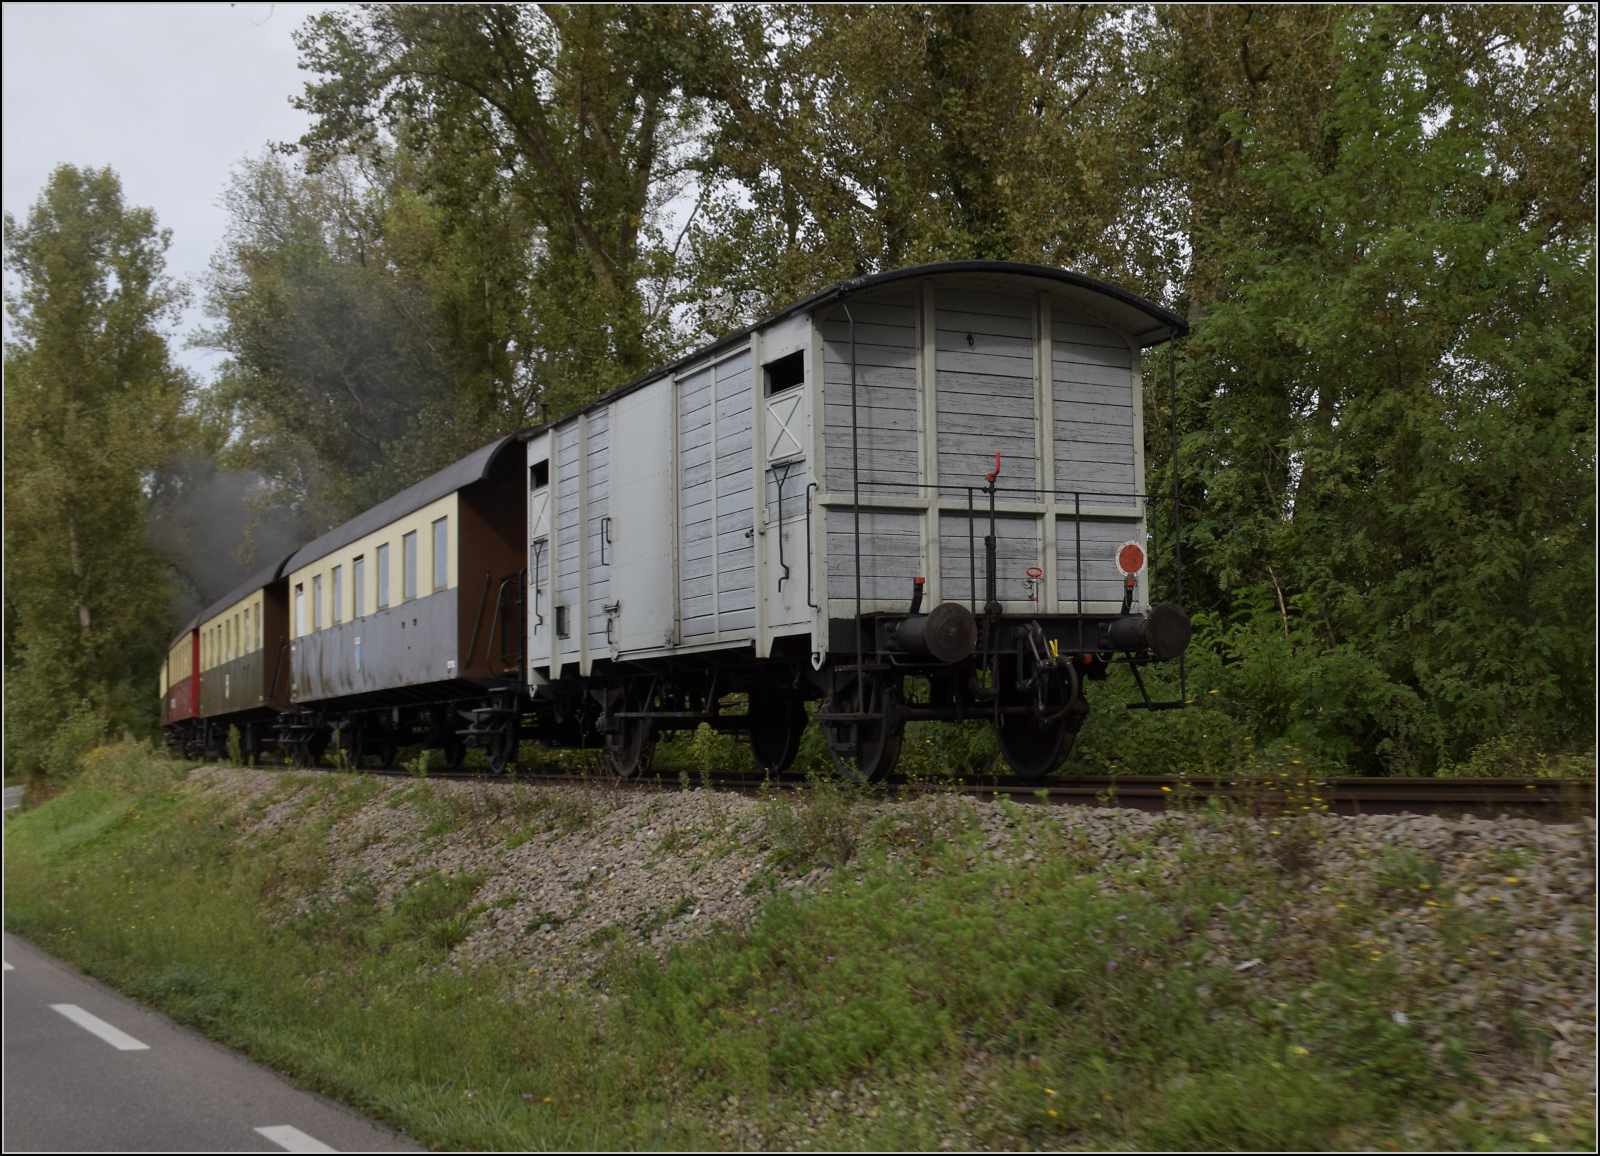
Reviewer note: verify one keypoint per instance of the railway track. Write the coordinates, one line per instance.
(1546, 800)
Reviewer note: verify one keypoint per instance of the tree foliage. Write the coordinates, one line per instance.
(93, 405)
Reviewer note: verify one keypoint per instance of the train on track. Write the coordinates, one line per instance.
(916, 495)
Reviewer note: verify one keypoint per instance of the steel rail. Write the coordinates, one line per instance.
(1547, 800)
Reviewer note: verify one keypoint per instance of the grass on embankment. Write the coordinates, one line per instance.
(1047, 1001)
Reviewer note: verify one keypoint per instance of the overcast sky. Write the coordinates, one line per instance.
(171, 96)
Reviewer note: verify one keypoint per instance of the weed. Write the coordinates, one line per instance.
(822, 824)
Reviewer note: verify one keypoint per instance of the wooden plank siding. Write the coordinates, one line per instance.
(735, 486)
(696, 507)
(566, 571)
(1017, 546)
(984, 375)
(716, 454)
(1102, 581)
(597, 509)
(891, 555)
(1091, 371)
(886, 406)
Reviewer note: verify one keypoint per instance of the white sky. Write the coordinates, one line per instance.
(171, 96)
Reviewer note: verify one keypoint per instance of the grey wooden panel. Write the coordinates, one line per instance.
(986, 400)
(1101, 580)
(599, 508)
(795, 479)
(891, 553)
(1071, 392)
(568, 546)
(1092, 391)
(955, 323)
(1104, 342)
(1018, 545)
(734, 488)
(697, 506)
(1112, 377)
(986, 302)
(994, 370)
(886, 394)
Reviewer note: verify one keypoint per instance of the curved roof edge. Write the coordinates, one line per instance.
(1163, 324)
(473, 468)
(253, 583)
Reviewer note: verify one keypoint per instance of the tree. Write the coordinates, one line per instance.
(1390, 390)
(569, 122)
(93, 405)
(365, 352)
(851, 139)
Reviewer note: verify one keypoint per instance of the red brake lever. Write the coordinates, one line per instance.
(991, 477)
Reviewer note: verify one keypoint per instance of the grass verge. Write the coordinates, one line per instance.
(940, 989)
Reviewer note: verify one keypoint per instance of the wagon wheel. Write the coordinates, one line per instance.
(632, 746)
(250, 743)
(866, 750)
(501, 749)
(454, 751)
(777, 724)
(387, 748)
(1034, 744)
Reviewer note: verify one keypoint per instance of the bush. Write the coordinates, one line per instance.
(79, 733)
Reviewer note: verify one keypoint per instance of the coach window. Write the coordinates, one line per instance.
(408, 546)
(259, 628)
(539, 475)
(248, 637)
(383, 575)
(441, 553)
(299, 608)
(316, 602)
(337, 601)
(358, 586)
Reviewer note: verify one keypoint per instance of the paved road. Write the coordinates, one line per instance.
(13, 796)
(89, 1070)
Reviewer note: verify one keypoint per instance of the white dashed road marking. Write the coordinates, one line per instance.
(8, 966)
(120, 1040)
(291, 1139)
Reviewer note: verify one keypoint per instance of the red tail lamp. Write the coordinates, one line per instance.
(1130, 558)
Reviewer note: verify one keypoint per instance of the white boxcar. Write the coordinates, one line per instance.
(724, 524)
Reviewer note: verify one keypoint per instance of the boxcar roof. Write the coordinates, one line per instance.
(1145, 321)
(472, 468)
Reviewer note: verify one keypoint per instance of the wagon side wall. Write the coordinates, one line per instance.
(947, 374)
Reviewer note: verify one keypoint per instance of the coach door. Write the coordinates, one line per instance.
(640, 531)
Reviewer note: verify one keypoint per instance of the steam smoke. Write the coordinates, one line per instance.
(207, 522)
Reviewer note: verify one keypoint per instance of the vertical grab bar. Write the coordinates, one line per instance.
(811, 600)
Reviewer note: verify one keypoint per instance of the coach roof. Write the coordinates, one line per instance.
(475, 467)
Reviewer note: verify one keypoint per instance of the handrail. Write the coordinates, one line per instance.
(476, 623)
